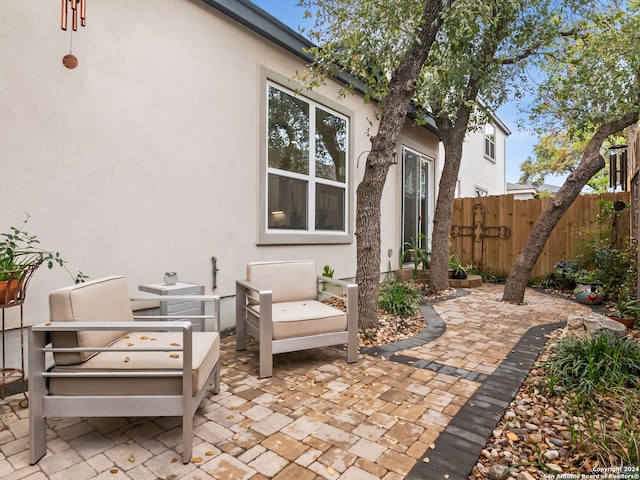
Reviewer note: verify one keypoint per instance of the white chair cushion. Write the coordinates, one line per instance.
(289, 281)
(102, 300)
(301, 319)
(206, 350)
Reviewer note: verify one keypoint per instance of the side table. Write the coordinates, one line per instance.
(176, 308)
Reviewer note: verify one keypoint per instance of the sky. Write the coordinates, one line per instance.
(519, 144)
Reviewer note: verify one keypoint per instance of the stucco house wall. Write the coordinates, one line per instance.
(480, 174)
(146, 158)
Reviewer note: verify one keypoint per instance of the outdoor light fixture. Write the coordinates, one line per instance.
(70, 60)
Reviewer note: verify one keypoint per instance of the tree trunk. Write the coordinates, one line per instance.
(590, 164)
(402, 86)
(442, 218)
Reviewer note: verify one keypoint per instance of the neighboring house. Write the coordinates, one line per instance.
(526, 191)
(483, 165)
(181, 137)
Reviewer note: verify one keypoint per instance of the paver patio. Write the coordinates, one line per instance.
(419, 409)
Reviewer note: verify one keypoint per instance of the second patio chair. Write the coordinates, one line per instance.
(278, 305)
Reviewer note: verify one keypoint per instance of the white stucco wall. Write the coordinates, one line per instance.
(476, 170)
(144, 159)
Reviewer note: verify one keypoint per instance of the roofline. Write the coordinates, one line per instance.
(267, 26)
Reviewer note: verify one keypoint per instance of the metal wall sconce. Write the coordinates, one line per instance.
(394, 158)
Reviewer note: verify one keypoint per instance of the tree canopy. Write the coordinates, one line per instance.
(443, 55)
(591, 91)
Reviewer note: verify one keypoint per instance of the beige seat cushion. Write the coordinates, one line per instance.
(102, 300)
(288, 281)
(299, 319)
(206, 350)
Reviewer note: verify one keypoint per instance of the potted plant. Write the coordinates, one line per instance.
(627, 310)
(20, 256)
(459, 271)
(417, 254)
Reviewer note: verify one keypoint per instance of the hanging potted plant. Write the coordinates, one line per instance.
(20, 256)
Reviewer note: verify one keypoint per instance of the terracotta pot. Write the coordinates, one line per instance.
(627, 322)
(9, 291)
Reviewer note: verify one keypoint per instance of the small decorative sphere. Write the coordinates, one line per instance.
(70, 61)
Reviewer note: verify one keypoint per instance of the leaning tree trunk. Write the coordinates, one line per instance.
(590, 164)
(402, 86)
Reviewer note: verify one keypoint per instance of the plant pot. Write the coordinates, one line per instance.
(627, 322)
(9, 290)
(459, 274)
(589, 293)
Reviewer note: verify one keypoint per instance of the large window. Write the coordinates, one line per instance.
(307, 174)
(490, 142)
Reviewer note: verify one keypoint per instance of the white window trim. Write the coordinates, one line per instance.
(484, 140)
(477, 188)
(265, 236)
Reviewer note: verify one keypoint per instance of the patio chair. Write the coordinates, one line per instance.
(105, 364)
(278, 305)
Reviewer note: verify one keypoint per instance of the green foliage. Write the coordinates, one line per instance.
(19, 249)
(489, 276)
(399, 298)
(456, 265)
(588, 80)
(599, 262)
(417, 253)
(327, 271)
(600, 377)
(601, 364)
(556, 154)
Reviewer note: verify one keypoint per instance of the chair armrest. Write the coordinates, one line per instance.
(132, 326)
(349, 295)
(246, 284)
(345, 287)
(38, 346)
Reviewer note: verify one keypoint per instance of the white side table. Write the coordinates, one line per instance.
(176, 308)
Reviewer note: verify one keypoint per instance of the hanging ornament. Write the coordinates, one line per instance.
(71, 61)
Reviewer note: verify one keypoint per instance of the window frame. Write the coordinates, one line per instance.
(477, 189)
(491, 142)
(310, 236)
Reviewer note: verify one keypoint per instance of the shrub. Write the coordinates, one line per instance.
(601, 364)
(398, 298)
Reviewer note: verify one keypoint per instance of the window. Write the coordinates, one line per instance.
(481, 192)
(306, 171)
(490, 142)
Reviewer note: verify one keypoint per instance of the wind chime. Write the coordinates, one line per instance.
(618, 167)
(70, 60)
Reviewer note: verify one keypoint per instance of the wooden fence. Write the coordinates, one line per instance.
(490, 231)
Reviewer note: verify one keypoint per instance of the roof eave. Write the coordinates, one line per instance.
(256, 19)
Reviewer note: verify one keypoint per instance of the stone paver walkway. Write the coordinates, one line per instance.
(419, 409)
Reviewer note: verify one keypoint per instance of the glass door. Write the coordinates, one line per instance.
(416, 201)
